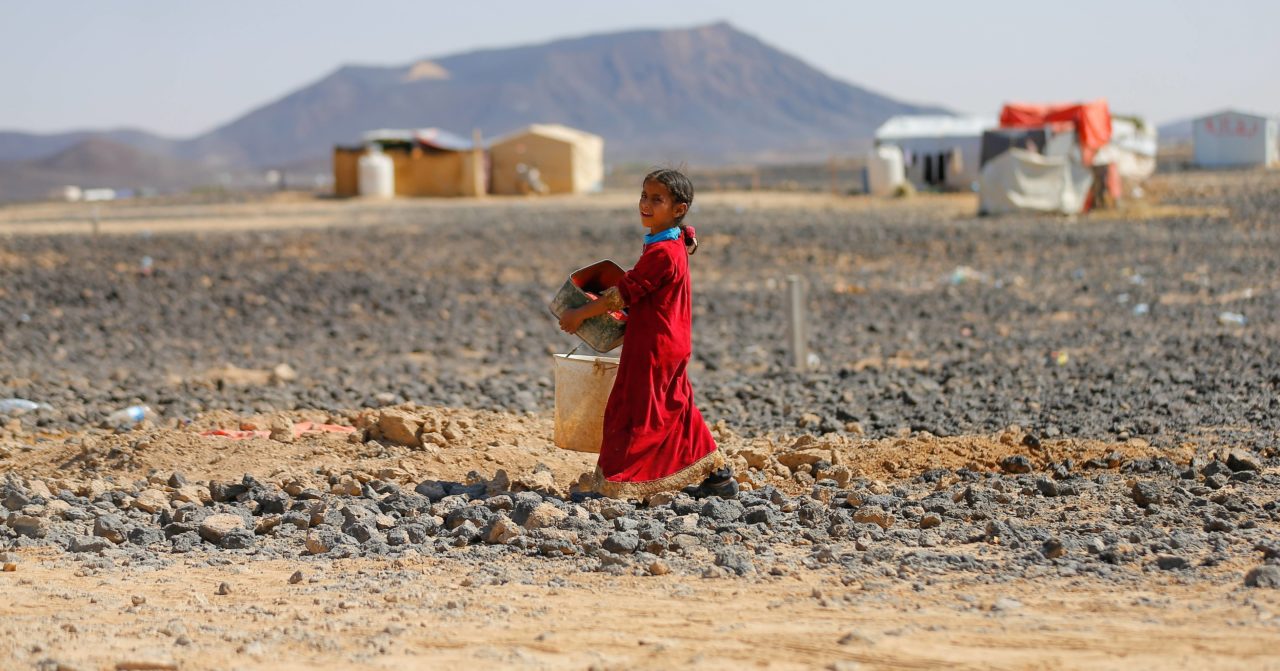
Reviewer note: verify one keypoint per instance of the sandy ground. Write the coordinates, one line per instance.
(447, 612)
(291, 211)
(63, 611)
(432, 614)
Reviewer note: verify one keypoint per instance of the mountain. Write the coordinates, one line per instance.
(17, 146)
(98, 162)
(710, 94)
(1175, 132)
(706, 93)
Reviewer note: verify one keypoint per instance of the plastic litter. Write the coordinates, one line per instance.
(18, 406)
(1141, 309)
(964, 274)
(129, 416)
(1232, 319)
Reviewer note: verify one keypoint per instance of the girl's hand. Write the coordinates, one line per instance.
(571, 320)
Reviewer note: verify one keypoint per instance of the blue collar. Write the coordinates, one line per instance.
(669, 234)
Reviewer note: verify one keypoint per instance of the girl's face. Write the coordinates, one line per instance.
(658, 210)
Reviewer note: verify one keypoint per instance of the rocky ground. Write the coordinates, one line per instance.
(1013, 427)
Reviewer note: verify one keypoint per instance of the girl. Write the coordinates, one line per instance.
(654, 437)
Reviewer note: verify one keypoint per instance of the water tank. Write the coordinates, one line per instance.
(886, 170)
(376, 174)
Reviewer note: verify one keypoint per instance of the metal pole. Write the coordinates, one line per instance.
(795, 312)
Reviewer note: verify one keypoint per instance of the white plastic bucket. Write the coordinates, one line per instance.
(583, 384)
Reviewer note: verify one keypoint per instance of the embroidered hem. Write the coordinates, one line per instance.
(693, 474)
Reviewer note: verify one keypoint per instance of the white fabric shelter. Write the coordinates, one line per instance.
(1021, 180)
(1235, 139)
(939, 151)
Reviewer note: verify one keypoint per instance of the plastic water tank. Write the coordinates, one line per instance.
(376, 174)
(886, 170)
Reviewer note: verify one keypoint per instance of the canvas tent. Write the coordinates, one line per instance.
(939, 151)
(1024, 180)
(1044, 159)
(1091, 122)
(1132, 149)
(562, 159)
(1235, 139)
(426, 162)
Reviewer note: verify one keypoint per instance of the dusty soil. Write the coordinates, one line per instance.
(1098, 513)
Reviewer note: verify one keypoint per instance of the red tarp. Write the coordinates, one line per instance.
(1091, 121)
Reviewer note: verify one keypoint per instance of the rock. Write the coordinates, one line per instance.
(214, 527)
(930, 520)
(282, 430)
(400, 426)
(1266, 575)
(736, 560)
(1047, 487)
(224, 588)
(1241, 460)
(501, 530)
(284, 373)
(1006, 604)
(432, 489)
(88, 544)
(151, 501)
(196, 494)
(28, 525)
(1015, 464)
(873, 515)
(320, 541)
(296, 577)
(543, 516)
(660, 499)
(1053, 549)
(758, 458)
(722, 510)
(1146, 492)
(111, 528)
(1172, 562)
(659, 567)
(621, 542)
(808, 456)
(540, 480)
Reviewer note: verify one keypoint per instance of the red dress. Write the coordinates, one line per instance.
(654, 437)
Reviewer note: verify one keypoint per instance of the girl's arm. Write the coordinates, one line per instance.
(571, 320)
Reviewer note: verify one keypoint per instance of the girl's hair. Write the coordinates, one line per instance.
(682, 192)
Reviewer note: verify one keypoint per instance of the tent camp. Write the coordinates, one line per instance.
(939, 151)
(1235, 139)
(1056, 175)
(546, 158)
(1025, 180)
(426, 162)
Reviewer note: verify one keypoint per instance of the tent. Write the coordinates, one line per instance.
(939, 151)
(1132, 149)
(1024, 180)
(426, 162)
(1235, 139)
(1091, 122)
(547, 158)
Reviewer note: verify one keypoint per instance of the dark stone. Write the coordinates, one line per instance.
(1146, 492)
(1015, 464)
(1172, 562)
(722, 510)
(621, 542)
(1266, 575)
(222, 492)
(736, 560)
(237, 539)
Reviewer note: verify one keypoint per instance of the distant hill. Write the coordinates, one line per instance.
(98, 162)
(1175, 132)
(710, 94)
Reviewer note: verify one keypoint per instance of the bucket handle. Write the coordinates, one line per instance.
(575, 348)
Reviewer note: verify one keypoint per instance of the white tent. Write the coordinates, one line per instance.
(940, 151)
(1020, 180)
(1132, 149)
(1235, 139)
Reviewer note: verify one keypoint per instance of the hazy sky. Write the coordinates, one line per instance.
(180, 68)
